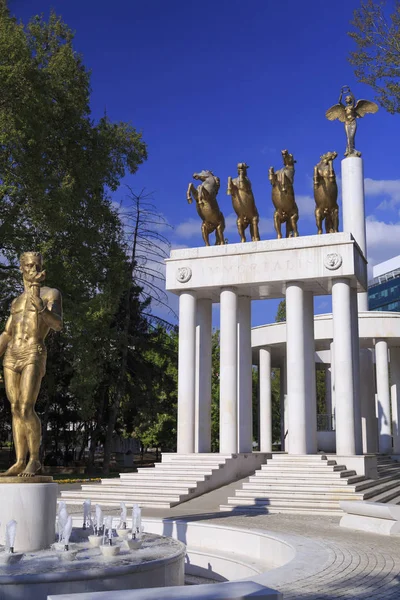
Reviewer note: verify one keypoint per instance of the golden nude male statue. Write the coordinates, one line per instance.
(33, 314)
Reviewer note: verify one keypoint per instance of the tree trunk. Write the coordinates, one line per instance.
(121, 381)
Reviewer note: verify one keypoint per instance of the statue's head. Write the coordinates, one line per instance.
(203, 175)
(242, 167)
(288, 159)
(31, 264)
(349, 100)
(328, 156)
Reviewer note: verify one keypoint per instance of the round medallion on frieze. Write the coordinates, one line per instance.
(333, 261)
(184, 274)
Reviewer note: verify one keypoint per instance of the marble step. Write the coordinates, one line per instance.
(300, 481)
(162, 505)
(139, 491)
(369, 483)
(386, 496)
(300, 460)
(305, 474)
(380, 488)
(132, 496)
(172, 466)
(302, 503)
(316, 488)
(275, 510)
(198, 456)
(175, 472)
(286, 495)
(175, 476)
(187, 464)
(270, 468)
(149, 484)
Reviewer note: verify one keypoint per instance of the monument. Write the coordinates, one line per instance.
(286, 210)
(244, 204)
(207, 207)
(33, 314)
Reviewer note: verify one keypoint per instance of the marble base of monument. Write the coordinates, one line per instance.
(33, 506)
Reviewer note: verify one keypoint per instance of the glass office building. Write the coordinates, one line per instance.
(384, 288)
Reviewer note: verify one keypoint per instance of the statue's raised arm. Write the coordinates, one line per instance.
(348, 114)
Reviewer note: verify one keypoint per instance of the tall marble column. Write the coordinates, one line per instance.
(203, 376)
(383, 396)
(186, 372)
(368, 410)
(228, 371)
(356, 371)
(245, 383)
(264, 373)
(284, 407)
(333, 396)
(353, 209)
(395, 397)
(300, 369)
(343, 332)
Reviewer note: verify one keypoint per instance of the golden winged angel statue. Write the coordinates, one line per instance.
(348, 114)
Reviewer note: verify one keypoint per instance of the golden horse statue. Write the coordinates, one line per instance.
(243, 204)
(286, 210)
(326, 193)
(207, 206)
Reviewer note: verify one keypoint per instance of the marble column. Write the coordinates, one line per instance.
(245, 383)
(203, 376)
(333, 397)
(284, 407)
(353, 209)
(228, 371)
(300, 369)
(356, 371)
(186, 372)
(368, 409)
(343, 360)
(395, 397)
(383, 396)
(310, 387)
(264, 373)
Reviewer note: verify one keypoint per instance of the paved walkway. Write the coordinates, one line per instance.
(342, 563)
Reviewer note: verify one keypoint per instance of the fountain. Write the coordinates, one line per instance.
(113, 557)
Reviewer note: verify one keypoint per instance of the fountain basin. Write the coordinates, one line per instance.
(158, 563)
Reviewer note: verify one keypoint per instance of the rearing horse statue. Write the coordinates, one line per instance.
(243, 204)
(286, 210)
(325, 194)
(207, 206)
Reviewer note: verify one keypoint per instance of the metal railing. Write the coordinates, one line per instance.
(326, 423)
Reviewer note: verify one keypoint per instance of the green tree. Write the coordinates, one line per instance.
(57, 169)
(377, 57)
(281, 312)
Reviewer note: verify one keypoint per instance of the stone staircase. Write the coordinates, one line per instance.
(316, 484)
(176, 479)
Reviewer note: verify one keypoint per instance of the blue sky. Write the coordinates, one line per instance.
(214, 83)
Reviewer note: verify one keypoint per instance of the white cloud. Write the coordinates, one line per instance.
(382, 240)
(187, 229)
(306, 205)
(387, 189)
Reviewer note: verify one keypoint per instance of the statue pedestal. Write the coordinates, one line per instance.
(33, 505)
